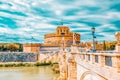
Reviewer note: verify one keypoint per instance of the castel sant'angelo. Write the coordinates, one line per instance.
(53, 40)
(56, 38)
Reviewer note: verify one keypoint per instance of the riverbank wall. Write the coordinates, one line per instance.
(18, 57)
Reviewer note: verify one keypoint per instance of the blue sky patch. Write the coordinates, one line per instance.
(8, 21)
(22, 19)
(14, 13)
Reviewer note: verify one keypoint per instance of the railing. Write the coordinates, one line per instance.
(109, 52)
(96, 58)
(108, 61)
(102, 59)
(49, 56)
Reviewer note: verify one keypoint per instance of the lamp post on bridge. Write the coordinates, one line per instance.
(31, 42)
(94, 44)
(63, 41)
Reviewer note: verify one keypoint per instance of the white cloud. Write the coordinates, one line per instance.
(35, 24)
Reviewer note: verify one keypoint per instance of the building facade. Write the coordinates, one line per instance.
(56, 38)
(31, 48)
(53, 41)
(117, 36)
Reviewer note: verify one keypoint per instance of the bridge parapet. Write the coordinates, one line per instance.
(102, 59)
(104, 64)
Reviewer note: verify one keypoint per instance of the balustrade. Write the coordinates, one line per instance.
(96, 58)
(103, 59)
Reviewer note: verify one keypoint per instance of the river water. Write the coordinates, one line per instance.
(27, 73)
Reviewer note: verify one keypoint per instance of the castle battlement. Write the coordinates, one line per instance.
(56, 38)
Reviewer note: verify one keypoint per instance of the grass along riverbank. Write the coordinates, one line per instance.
(24, 64)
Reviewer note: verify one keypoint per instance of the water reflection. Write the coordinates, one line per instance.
(27, 73)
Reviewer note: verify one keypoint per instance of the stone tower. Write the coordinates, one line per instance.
(55, 38)
(117, 36)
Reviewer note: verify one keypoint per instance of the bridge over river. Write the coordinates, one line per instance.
(76, 65)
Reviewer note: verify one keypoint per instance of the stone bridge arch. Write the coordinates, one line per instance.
(88, 75)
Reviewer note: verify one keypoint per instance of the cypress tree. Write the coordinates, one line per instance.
(104, 46)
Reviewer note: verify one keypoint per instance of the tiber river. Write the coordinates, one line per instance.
(27, 73)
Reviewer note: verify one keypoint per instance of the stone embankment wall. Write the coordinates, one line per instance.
(18, 57)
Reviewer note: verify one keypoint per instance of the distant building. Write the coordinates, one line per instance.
(53, 41)
(89, 46)
(117, 36)
(31, 47)
(56, 38)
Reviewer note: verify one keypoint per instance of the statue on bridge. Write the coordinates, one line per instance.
(67, 63)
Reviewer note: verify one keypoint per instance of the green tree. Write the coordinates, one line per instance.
(20, 47)
(104, 46)
(112, 45)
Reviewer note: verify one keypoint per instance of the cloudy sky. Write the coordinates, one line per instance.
(20, 20)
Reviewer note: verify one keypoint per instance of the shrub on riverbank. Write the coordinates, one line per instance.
(54, 63)
(42, 64)
(24, 64)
